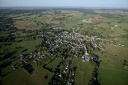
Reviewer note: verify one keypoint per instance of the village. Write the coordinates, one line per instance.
(72, 41)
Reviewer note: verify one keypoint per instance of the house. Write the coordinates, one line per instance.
(86, 57)
(83, 58)
(116, 26)
(87, 21)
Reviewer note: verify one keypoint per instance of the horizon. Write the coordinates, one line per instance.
(62, 7)
(66, 3)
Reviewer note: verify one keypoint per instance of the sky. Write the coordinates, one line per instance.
(74, 3)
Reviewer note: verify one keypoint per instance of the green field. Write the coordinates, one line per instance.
(83, 72)
(21, 77)
(111, 70)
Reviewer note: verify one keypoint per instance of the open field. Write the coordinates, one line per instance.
(111, 68)
(21, 77)
(83, 72)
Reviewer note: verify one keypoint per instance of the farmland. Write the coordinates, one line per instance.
(63, 46)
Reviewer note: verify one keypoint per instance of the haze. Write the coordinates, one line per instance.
(72, 3)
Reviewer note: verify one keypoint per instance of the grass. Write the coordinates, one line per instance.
(7, 70)
(18, 77)
(3, 34)
(22, 77)
(121, 52)
(38, 76)
(109, 76)
(30, 45)
(111, 71)
(54, 64)
(125, 43)
(83, 72)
